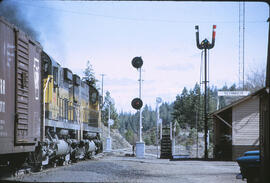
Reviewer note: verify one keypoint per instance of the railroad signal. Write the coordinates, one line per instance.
(137, 62)
(137, 103)
(158, 100)
(205, 45)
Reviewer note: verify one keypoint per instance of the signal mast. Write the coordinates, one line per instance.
(137, 104)
(205, 45)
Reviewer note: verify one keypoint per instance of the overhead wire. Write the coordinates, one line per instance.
(124, 18)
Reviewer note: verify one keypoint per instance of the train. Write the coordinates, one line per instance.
(48, 114)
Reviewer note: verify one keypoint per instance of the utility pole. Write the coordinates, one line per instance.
(108, 140)
(102, 76)
(205, 45)
(110, 123)
(244, 45)
(197, 137)
(109, 120)
(158, 101)
(241, 48)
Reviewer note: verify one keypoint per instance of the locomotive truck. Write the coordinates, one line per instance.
(48, 115)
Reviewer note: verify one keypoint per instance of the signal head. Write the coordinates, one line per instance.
(137, 103)
(137, 62)
(158, 100)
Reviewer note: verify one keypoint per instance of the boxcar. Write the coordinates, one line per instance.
(20, 91)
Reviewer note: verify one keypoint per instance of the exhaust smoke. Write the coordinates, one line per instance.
(11, 12)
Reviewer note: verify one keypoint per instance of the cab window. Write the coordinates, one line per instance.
(55, 76)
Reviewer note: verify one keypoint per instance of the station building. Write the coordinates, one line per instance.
(236, 127)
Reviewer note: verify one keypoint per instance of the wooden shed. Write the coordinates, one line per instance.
(236, 127)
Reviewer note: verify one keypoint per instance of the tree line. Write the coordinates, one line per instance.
(187, 111)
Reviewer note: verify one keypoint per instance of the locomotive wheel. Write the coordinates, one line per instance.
(61, 162)
(35, 160)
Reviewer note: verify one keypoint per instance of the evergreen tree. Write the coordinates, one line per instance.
(165, 111)
(89, 74)
(149, 118)
(183, 109)
(109, 103)
(129, 136)
(187, 108)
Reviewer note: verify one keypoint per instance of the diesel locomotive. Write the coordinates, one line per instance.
(48, 115)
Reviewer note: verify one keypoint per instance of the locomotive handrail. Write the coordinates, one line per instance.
(43, 122)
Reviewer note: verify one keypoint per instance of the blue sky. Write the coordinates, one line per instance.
(110, 34)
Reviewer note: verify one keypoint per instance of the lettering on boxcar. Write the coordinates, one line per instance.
(36, 77)
(2, 132)
(2, 106)
(2, 122)
(10, 54)
(2, 86)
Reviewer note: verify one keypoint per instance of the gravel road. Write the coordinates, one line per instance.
(115, 167)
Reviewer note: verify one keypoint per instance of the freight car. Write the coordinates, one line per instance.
(48, 115)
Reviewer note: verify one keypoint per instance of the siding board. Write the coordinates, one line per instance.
(246, 122)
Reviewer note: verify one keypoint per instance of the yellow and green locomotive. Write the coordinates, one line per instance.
(71, 110)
